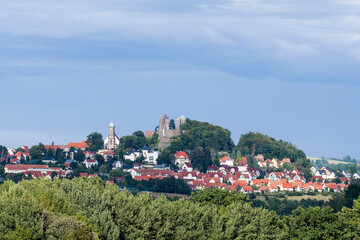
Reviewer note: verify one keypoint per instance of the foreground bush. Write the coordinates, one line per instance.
(90, 209)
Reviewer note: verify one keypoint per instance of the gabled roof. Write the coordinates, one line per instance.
(286, 160)
(146, 148)
(24, 166)
(226, 158)
(247, 189)
(132, 152)
(188, 165)
(242, 163)
(261, 182)
(91, 160)
(215, 179)
(78, 145)
(70, 161)
(181, 154)
(19, 153)
(109, 152)
(287, 185)
(53, 147)
(240, 183)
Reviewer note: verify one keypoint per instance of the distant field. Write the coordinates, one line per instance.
(335, 162)
(317, 197)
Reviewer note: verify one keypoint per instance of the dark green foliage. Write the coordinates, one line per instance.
(37, 152)
(79, 155)
(315, 223)
(345, 199)
(165, 185)
(87, 209)
(172, 124)
(201, 159)
(165, 157)
(284, 206)
(205, 135)
(218, 197)
(3, 151)
(352, 169)
(154, 140)
(95, 142)
(135, 141)
(257, 143)
(100, 159)
(115, 173)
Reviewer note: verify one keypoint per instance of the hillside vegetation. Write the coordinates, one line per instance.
(201, 134)
(85, 208)
(257, 143)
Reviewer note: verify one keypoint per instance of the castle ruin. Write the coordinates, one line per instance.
(164, 131)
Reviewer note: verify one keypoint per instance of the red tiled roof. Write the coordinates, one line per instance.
(216, 179)
(110, 152)
(247, 188)
(19, 153)
(287, 185)
(55, 147)
(264, 189)
(24, 166)
(286, 160)
(90, 160)
(181, 154)
(242, 163)
(260, 181)
(240, 183)
(149, 133)
(78, 145)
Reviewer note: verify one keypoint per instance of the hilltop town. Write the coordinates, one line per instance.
(143, 160)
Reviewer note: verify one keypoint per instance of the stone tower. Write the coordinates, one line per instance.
(165, 133)
(111, 139)
(179, 121)
(163, 126)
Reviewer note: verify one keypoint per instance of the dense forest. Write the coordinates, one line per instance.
(85, 208)
(202, 134)
(257, 143)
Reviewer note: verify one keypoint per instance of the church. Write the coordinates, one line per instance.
(112, 140)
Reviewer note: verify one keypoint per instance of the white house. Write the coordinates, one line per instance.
(132, 155)
(356, 175)
(117, 164)
(242, 166)
(346, 174)
(227, 160)
(145, 150)
(181, 158)
(49, 160)
(187, 167)
(152, 156)
(90, 162)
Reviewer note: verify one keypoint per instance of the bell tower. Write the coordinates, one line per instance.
(111, 138)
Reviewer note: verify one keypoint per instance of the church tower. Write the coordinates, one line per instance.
(111, 138)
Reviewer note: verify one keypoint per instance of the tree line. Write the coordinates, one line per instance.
(85, 208)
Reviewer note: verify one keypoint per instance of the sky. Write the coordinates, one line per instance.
(287, 69)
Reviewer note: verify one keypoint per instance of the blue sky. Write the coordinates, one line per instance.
(288, 69)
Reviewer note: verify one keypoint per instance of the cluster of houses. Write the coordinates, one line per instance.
(36, 171)
(149, 155)
(229, 175)
(233, 176)
(270, 163)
